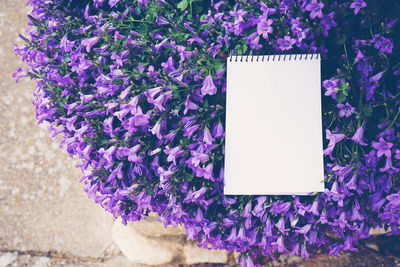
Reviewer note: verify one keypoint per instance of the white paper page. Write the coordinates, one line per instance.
(273, 142)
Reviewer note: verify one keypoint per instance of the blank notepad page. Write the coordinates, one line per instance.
(273, 143)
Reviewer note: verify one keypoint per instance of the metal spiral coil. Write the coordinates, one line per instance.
(274, 57)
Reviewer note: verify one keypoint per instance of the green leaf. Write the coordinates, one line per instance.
(367, 110)
(203, 17)
(342, 39)
(218, 65)
(244, 49)
(340, 98)
(188, 177)
(176, 94)
(182, 5)
(238, 48)
(135, 72)
(344, 85)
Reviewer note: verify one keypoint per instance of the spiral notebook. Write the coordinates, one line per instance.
(273, 142)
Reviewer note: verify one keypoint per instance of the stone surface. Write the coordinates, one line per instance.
(42, 206)
(139, 248)
(194, 254)
(379, 231)
(372, 246)
(7, 258)
(152, 227)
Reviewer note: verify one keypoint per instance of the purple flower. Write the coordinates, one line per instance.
(112, 3)
(330, 86)
(268, 228)
(328, 22)
(247, 261)
(357, 5)
(376, 77)
(119, 59)
(397, 156)
(159, 101)
(280, 245)
(189, 131)
(218, 130)
(352, 183)
(297, 28)
(280, 207)
(359, 55)
(394, 200)
(304, 252)
(264, 27)
(266, 10)
(161, 21)
(341, 221)
(140, 119)
(383, 44)
(333, 139)
(207, 138)
(189, 105)
(164, 175)
(66, 45)
(304, 229)
(109, 153)
(281, 225)
(173, 153)
(253, 39)
(383, 147)
(198, 157)
(358, 136)
(345, 110)
(206, 172)
(314, 208)
(286, 43)
(88, 43)
(151, 93)
(356, 215)
(388, 166)
(208, 86)
(19, 74)
(132, 153)
(259, 208)
(156, 130)
(315, 8)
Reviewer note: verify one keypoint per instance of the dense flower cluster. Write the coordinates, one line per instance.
(137, 88)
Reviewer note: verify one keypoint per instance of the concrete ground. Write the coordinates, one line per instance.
(45, 217)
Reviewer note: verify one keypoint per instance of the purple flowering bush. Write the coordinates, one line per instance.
(137, 89)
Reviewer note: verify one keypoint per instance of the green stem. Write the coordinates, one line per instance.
(333, 118)
(348, 149)
(395, 118)
(347, 58)
(387, 112)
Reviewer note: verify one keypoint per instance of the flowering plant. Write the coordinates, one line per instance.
(138, 90)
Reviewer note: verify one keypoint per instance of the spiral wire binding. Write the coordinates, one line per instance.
(233, 57)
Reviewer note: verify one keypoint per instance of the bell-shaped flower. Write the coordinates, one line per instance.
(209, 87)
